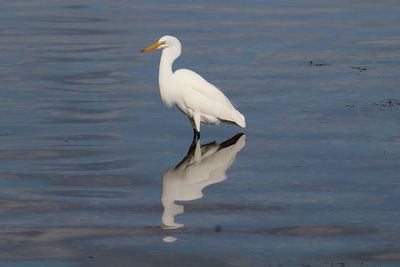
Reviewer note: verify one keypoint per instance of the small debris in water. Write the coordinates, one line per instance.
(311, 63)
(392, 104)
(218, 228)
(360, 69)
(389, 103)
(6, 134)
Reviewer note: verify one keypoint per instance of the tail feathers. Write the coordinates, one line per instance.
(232, 116)
(239, 119)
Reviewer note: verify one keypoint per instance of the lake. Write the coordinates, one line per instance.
(96, 171)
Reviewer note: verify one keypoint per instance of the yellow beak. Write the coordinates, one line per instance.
(152, 47)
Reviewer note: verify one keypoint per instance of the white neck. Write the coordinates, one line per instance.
(165, 77)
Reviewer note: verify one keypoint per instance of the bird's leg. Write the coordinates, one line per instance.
(197, 151)
(196, 134)
(196, 119)
(190, 152)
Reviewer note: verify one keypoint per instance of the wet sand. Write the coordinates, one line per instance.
(91, 161)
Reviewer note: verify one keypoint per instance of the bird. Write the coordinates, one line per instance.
(198, 99)
(202, 166)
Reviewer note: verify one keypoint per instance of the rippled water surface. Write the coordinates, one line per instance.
(95, 171)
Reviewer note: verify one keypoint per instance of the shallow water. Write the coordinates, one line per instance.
(88, 150)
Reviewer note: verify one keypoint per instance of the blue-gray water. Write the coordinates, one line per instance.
(86, 141)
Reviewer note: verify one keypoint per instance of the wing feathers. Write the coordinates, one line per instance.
(200, 95)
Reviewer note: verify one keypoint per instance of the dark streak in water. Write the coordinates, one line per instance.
(86, 137)
(321, 230)
(387, 255)
(232, 207)
(75, 109)
(66, 19)
(103, 194)
(71, 90)
(390, 104)
(78, 114)
(37, 154)
(77, 6)
(74, 31)
(89, 78)
(95, 166)
(89, 120)
(62, 233)
(79, 48)
(75, 59)
(80, 180)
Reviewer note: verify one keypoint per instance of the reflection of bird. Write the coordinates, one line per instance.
(203, 165)
(192, 94)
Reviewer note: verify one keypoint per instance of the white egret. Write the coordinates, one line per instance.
(189, 92)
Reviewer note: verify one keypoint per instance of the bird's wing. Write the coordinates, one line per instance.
(201, 96)
(204, 105)
(187, 78)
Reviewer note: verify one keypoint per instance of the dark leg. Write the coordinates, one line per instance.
(196, 134)
(191, 150)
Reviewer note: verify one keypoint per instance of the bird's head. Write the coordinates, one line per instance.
(164, 42)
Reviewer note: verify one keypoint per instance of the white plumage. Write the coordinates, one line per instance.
(198, 99)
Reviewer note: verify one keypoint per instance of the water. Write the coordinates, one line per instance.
(87, 146)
